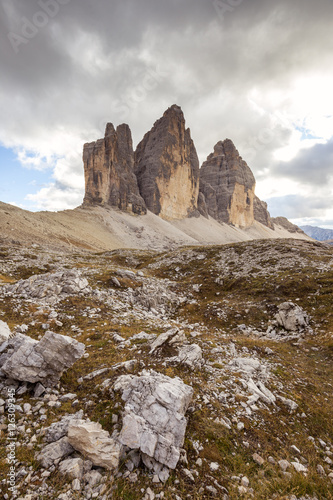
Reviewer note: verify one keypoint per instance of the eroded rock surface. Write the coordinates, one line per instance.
(286, 224)
(228, 184)
(44, 361)
(153, 420)
(55, 451)
(261, 214)
(292, 317)
(93, 442)
(167, 167)
(49, 288)
(109, 171)
(4, 331)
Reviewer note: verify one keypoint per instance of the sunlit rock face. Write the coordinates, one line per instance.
(109, 171)
(167, 168)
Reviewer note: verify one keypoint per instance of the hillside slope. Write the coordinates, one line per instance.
(246, 326)
(101, 229)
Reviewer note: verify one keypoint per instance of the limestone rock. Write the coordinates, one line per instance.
(154, 420)
(247, 365)
(54, 451)
(155, 296)
(4, 332)
(292, 317)
(189, 355)
(261, 214)
(202, 207)
(228, 184)
(57, 430)
(43, 361)
(93, 442)
(73, 467)
(172, 337)
(167, 168)
(299, 467)
(13, 344)
(260, 391)
(49, 288)
(109, 171)
(286, 224)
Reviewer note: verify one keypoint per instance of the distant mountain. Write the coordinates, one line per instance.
(318, 233)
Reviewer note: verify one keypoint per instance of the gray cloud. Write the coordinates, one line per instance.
(299, 207)
(313, 166)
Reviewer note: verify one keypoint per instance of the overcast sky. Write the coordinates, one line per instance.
(259, 72)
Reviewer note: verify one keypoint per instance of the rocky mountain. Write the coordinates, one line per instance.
(109, 172)
(227, 185)
(318, 233)
(167, 167)
(163, 175)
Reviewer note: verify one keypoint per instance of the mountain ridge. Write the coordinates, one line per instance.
(318, 233)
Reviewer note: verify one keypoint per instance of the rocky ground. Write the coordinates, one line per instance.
(202, 372)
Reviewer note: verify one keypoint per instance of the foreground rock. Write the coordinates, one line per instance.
(189, 355)
(30, 361)
(109, 171)
(291, 317)
(172, 337)
(49, 288)
(57, 430)
(4, 331)
(94, 443)
(54, 452)
(167, 167)
(153, 420)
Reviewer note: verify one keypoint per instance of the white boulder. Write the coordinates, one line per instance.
(94, 443)
(291, 317)
(153, 420)
(43, 361)
(5, 332)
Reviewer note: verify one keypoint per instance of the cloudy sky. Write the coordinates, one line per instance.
(259, 72)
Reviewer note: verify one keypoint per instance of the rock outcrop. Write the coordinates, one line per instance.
(227, 184)
(109, 171)
(292, 317)
(50, 288)
(153, 420)
(261, 214)
(5, 332)
(94, 443)
(167, 168)
(286, 224)
(45, 361)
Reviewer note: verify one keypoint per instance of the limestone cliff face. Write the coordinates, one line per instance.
(228, 184)
(261, 214)
(109, 171)
(167, 168)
